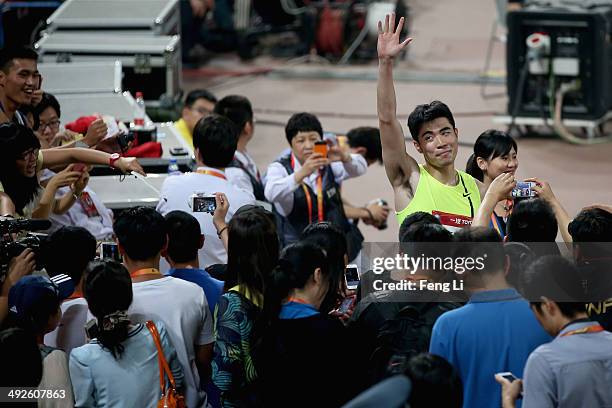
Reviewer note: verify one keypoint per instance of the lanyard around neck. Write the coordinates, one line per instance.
(145, 271)
(212, 173)
(319, 192)
(77, 294)
(596, 328)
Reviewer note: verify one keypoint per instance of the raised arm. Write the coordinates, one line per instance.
(398, 164)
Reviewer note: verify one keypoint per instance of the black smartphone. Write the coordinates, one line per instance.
(346, 304)
(110, 250)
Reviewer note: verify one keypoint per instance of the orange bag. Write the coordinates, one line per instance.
(170, 397)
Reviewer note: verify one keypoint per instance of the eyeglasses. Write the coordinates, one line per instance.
(33, 153)
(202, 111)
(53, 125)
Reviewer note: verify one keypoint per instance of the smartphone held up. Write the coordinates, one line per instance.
(321, 147)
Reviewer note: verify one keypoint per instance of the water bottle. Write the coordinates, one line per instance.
(173, 168)
(139, 117)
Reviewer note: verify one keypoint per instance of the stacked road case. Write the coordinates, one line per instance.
(142, 34)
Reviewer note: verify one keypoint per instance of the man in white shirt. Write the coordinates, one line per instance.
(242, 171)
(180, 305)
(214, 139)
(304, 185)
(575, 368)
(70, 249)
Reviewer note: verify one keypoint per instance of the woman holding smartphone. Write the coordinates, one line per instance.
(495, 153)
(21, 159)
(300, 350)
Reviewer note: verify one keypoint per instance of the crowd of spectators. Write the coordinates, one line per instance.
(249, 305)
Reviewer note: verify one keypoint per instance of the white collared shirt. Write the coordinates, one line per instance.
(175, 195)
(280, 185)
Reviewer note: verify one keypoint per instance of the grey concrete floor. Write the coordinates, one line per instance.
(450, 37)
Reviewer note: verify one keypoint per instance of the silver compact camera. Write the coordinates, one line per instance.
(204, 203)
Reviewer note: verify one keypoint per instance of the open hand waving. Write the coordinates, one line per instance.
(389, 45)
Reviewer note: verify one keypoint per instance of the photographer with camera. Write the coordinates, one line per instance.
(214, 139)
(21, 158)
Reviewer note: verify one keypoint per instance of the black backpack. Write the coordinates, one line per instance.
(398, 340)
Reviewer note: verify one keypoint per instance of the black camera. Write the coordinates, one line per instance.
(124, 140)
(10, 248)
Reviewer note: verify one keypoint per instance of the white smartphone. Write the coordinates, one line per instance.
(351, 274)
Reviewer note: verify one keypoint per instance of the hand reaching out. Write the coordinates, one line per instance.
(21, 265)
(129, 164)
(95, 132)
(543, 190)
(63, 137)
(502, 186)
(65, 178)
(389, 45)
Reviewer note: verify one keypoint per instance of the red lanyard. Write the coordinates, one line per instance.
(146, 271)
(212, 173)
(596, 328)
(320, 211)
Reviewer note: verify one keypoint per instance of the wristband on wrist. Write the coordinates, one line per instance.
(221, 231)
(113, 159)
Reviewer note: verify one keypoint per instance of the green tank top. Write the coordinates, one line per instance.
(455, 206)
